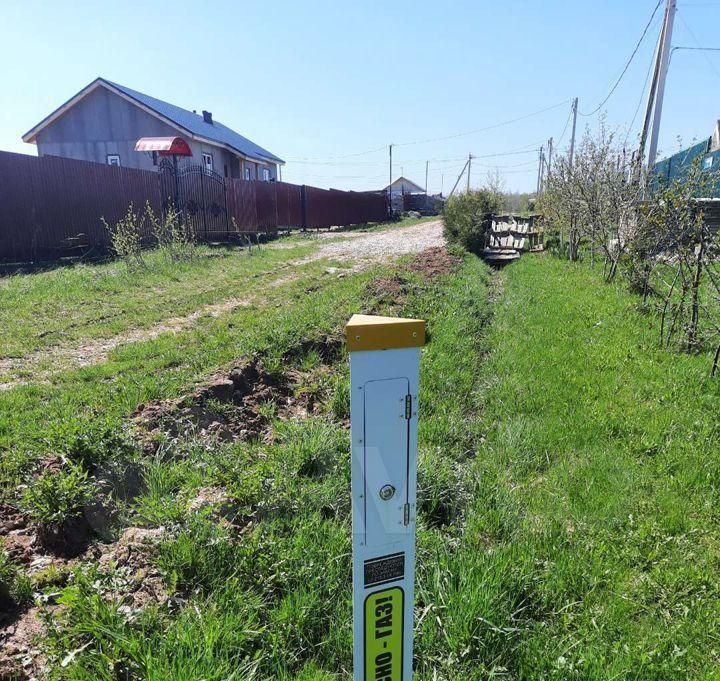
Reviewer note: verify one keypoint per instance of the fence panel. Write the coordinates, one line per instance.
(52, 206)
(242, 207)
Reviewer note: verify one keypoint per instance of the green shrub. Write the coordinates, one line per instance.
(56, 502)
(90, 440)
(466, 218)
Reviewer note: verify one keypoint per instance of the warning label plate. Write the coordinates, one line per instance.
(384, 612)
(384, 569)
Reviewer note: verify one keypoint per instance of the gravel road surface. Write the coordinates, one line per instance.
(373, 247)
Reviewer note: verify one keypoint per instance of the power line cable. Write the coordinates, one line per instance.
(562, 134)
(698, 46)
(627, 65)
(528, 149)
(489, 127)
(359, 153)
(323, 159)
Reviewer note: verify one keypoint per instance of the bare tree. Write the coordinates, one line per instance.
(593, 200)
(680, 256)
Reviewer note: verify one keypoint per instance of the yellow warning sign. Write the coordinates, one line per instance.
(384, 635)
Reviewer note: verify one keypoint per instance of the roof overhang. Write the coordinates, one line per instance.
(31, 135)
(165, 146)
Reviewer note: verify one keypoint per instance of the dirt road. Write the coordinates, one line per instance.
(374, 247)
(363, 249)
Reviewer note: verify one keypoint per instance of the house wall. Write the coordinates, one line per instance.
(103, 123)
(256, 169)
(100, 124)
(403, 187)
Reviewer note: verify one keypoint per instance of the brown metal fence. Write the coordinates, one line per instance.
(53, 206)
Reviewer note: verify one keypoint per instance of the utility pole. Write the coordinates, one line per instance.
(549, 159)
(426, 176)
(572, 139)
(640, 156)
(540, 165)
(662, 76)
(457, 182)
(469, 161)
(442, 183)
(390, 185)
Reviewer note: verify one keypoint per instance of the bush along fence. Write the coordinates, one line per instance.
(51, 207)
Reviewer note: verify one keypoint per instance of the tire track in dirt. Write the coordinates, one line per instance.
(97, 351)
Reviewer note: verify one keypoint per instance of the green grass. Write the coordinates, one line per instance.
(603, 456)
(568, 493)
(81, 412)
(274, 602)
(91, 301)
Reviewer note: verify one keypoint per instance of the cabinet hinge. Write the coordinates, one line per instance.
(408, 407)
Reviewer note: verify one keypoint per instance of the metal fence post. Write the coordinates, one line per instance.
(303, 206)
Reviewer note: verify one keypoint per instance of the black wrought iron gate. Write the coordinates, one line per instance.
(199, 195)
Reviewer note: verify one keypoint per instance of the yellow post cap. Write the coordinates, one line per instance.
(372, 332)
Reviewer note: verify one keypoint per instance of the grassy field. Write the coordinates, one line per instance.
(602, 460)
(568, 480)
(94, 301)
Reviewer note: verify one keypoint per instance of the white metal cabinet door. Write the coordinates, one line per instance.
(386, 460)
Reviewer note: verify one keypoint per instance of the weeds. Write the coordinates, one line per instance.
(15, 587)
(176, 240)
(126, 238)
(56, 502)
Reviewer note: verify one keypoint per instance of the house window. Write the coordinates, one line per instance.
(247, 173)
(113, 159)
(207, 161)
(266, 175)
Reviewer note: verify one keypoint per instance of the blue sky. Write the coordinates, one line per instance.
(315, 82)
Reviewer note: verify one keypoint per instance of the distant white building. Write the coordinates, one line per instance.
(398, 189)
(404, 186)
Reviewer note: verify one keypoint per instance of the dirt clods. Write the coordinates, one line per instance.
(392, 290)
(236, 405)
(68, 538)
(20, 657)
(434, 262)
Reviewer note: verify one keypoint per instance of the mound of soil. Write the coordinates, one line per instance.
(234, 406)
(434, 262)
(430, 264)
(391, 290)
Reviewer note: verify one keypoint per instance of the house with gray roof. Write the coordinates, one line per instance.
(104, 121)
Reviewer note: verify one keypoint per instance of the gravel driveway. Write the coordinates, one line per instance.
(368, 249)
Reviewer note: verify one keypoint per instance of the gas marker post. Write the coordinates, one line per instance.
(384, 378)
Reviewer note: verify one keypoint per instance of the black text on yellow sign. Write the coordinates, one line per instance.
(384, 635)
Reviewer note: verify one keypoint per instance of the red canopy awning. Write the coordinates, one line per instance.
(165, 146)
